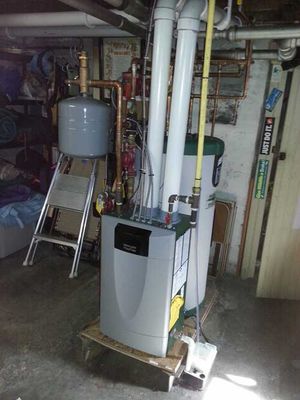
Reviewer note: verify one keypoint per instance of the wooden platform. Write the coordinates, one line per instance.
(172, 364)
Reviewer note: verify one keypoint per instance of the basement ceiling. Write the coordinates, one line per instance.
(262, 11)
(258, 11)
(16, 6)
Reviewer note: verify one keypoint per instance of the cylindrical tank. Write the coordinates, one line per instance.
(83, 126)
(211, 169)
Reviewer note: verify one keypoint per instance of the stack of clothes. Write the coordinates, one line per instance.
(17, 128)
(19, 204)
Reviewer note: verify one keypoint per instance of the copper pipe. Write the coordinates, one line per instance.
(248, 65)
(228, 61)
(245, 227)
(236, 106)
(247, 61)
(217, 93)
(118, 143)
(223, 75)
(220, 97)
(83, 72)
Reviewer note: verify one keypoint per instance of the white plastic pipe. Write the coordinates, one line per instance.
(63, 32)
(164, 18)
(188, 28)
(225, 22)
(31, 20)
(258, 32)
(222, 19)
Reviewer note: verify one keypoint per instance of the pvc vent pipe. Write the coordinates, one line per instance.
(68, 18)
(188, 28)
(164, 18)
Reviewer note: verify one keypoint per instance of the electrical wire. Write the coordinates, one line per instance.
(150, 187)
(112, 94)
(144, 130)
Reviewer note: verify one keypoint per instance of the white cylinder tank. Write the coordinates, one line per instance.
(212, 163)
(83, 127)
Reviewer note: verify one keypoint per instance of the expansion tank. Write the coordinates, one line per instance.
(83, 127)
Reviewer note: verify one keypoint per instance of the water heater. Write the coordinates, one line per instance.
(211, 170)
(83, 127)
(200, 243)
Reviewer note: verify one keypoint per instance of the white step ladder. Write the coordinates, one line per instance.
(68, 192)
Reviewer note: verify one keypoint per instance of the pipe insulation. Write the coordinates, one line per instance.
(188, 28)
(97, 11)
(164, 17)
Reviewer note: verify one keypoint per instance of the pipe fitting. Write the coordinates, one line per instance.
(172, 199)
(165, 10)
(191, 14)
(191, 24)
(225, 22)
(287, 54)
(287, 49)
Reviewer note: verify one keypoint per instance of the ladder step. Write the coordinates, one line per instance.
(69, 192)
(51, 239)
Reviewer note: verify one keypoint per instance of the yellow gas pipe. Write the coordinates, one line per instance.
(203, 109)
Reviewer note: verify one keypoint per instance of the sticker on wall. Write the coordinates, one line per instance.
(265, 147)
(261, 181)
(272, 99)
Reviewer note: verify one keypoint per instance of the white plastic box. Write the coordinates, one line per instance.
(14, 238)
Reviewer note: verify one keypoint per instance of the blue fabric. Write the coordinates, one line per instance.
(8, 128)
(22, 213)
(10, 82)
(14, 193)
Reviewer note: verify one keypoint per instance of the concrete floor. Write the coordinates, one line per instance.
(41, 313)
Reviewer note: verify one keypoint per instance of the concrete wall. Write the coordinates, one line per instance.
(240, 143)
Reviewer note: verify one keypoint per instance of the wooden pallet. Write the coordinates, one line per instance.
(171, 365)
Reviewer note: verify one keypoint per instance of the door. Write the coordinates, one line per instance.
(279, 275)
